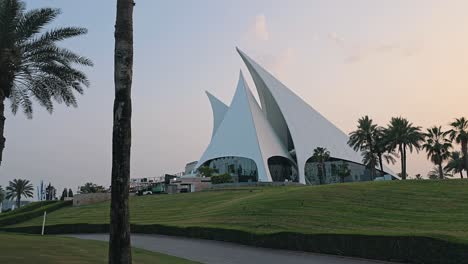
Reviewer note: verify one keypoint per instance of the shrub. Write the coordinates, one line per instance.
(413, 249)
(222, 178)
(18, 217)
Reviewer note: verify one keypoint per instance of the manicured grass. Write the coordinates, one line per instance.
(27, 208)
(28, 212)
(52, 249)
(423, 208)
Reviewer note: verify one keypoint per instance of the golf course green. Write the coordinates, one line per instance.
(27, 249)
(430, 208)
(420, 221)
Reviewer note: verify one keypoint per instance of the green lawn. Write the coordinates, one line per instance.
(52, 249)
(429, 208)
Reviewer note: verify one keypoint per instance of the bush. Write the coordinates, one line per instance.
(222, 178)
(26, 208)
(413, 249)
(18, 217)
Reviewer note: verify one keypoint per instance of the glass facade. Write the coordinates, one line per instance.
(241, 169)
(336, 171)
(282, 169)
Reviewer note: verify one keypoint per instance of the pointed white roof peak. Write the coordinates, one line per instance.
(219, 110)
(307, 127)
(245, 132)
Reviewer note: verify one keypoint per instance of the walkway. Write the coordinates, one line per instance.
(215, 252)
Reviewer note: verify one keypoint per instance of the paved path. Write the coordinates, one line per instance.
(215, 252)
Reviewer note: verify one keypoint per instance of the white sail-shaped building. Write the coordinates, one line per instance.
(276, 141)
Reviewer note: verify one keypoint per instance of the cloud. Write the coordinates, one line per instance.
(259, 28)
(336, 39)
(356, 53)
(258, 40)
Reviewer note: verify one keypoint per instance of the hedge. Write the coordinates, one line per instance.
(18, 217)
(414, 249)
(26, 208)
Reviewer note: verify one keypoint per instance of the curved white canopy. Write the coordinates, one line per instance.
(289, 114)
(245, 132)
(219, 110)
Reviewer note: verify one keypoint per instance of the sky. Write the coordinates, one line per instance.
(347, 59)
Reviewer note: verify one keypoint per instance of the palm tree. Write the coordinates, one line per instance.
(32, 66)
(402, 135)
(455, 164)
(434, 174)
(321, 155)
(343, 171)
(364, 139)
(437, 147)
(459, 133)
(18, 188)
(119, 240)
(382, 151)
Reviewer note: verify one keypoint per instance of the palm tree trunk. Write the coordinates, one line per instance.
(18, 201)
(381, 164)
(319, 172)
(2, 124)
(119, 242)
(374, 170)
(461, 174)
(324, 172)
(464, 147)
(441, 172)
(403, 165)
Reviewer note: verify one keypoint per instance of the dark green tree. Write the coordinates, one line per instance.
(382, 150)
(206, 171)
(321, 155)
(90, 187)
(363, 139)
(70, 193)
(50, 192)
(32, 65)
(459, 133)
(19, 188)
(343, 171)
(434, 174)
(402, 135)
(437, 147)
(455, 164)
(64, 194)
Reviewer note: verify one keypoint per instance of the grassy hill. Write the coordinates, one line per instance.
(430, 208)
(424, 209)
(27, 249)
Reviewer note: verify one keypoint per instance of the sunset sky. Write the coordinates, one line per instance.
(345, 58)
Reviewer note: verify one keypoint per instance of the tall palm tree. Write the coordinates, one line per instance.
(402, 135)
(456, 164)
(32, 65)
(119, 246)
(459, 133)
(434, 174)
(19, 188)
(382, 151)
(364, 139)
(437, 146)
(321, 155)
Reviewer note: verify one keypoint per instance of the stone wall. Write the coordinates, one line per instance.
(90, 198)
